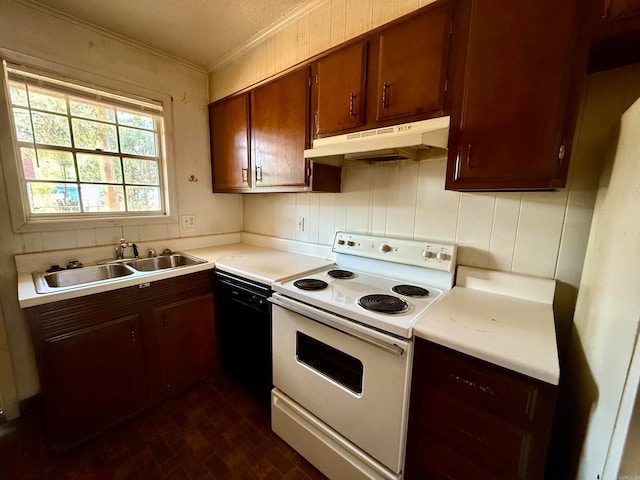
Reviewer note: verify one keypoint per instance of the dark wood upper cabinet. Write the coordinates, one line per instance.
(280, 130)
(230, 153)
(519, 67)
(412, 65)
(258, 140)
(395, 74)
(341, 80)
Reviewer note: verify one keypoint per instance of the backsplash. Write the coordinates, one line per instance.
(517, 232)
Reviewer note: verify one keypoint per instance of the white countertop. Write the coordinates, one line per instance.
(260, 264)
(508, 322)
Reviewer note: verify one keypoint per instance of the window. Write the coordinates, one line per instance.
(85, 153)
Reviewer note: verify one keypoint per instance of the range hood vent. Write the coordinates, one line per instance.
(387, 143)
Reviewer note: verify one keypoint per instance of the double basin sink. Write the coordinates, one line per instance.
(48, 282)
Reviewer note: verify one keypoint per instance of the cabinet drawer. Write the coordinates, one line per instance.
(499, 446)
(484, 385)
(435, 461)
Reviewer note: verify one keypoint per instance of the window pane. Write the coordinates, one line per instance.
(47, 198)
(144, 172)
(49, 165)
(138, 142)
(95, 135)
(135, 120)
(102, 198)
(92, 111)
(22, 121)
(18, 94)
(99, 168)
(51, 102)
(141, 199)
(51, 129)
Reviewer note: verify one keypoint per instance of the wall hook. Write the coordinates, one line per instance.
(192, 178)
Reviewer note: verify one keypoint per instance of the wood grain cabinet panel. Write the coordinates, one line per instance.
(230, 152)
(103, 357)
(279, 130)
(412, 66)
(340, 80)
(517, 91)
(394, 75)
(482, 418)
(187, 340)
(92, 378)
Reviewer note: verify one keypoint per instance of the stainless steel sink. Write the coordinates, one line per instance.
(163, 262)
(50, 282)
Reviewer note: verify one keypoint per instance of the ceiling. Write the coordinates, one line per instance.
(198, 31)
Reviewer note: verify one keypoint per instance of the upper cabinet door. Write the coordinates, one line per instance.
(279, 130)
(229, 127)
(413, 65)
(341, 81)
(516, 93)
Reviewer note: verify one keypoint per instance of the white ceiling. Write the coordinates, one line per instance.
(198, 31)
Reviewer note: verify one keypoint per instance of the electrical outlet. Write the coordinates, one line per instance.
(188, 221)
(300, 224)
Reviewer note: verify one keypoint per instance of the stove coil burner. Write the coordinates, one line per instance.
(383, 303)
(310, 284)
(410, 290)
(341, 274)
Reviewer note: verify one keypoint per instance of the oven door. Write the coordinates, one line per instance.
(355, 383)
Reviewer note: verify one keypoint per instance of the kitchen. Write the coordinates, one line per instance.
(535, 233)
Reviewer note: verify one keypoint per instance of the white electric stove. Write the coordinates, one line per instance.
(343, 350)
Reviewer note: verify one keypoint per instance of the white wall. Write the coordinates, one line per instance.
(27, 34)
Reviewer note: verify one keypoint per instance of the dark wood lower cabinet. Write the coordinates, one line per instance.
(102, 358)
(472, 419)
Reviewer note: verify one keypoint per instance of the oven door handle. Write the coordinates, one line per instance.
(334, 322)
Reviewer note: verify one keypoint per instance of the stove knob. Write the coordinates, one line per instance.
(341, 242)
(441, 256)
(427, 254)
(386, 248)
(351, 243)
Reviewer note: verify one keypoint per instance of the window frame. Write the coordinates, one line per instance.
(21, 219)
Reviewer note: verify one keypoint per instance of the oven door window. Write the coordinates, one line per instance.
(331, 362)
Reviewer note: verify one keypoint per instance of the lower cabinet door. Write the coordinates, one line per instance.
(186, 336)
(94, 378)
(433, 460)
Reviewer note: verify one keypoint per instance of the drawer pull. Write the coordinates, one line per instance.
(472, 436)
(472, 384)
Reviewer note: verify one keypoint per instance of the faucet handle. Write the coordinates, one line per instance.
(151, 253)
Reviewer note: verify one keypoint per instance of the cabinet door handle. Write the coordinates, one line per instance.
(244, 175)
(385, 95)
(456, 171)
(351, 109)
(164, 323)
(469, 157)
(258, 174)
(472, 384)
(132, 332)
(472, 436)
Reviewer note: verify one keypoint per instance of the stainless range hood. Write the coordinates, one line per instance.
(387, 143)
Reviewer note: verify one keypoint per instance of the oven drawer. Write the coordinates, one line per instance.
(356, 387)
(490, 387)
(499, 446)
(334, 455)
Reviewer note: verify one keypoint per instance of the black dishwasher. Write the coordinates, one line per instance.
(243, 316)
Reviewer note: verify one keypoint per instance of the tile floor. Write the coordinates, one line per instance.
(215, 430)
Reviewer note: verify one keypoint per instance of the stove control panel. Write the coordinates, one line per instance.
(422, 253)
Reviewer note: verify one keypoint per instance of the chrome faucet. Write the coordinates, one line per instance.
(122, 246)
